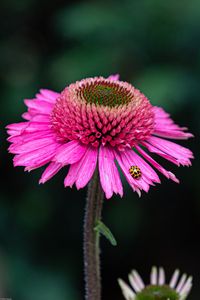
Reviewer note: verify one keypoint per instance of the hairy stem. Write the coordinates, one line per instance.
(93, 211)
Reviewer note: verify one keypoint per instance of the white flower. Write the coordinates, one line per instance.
(158, 288)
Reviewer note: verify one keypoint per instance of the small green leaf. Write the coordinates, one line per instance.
(104, 230)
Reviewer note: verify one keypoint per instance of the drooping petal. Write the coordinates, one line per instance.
(19, 148)
(39, 106)
(38, 124)
(70, 153)
(82, 171)
(109, 175)
(153, 149)
(129, 158)
(41, 118)
(48, 95)
(125, 165)
(27, 116)
(52, 169)
(165, 126)
(156, 165)
(169, 150)
(16, 128)
(36, 158)
(25, 137)
(147, 172)
(27, 127)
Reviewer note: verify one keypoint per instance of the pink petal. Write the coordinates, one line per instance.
(153, 149)
(109, 175)
(169, 150)
(27, 116)
(39, 106)
(156, 165)
(19, 148)
(82, 171)
(36, 126)
(148, 174)
(36, 117)
(48, 95)
(114, 77)
(70, 153)
(129, 158)
(25, 137)
(27, 127)
(52, 169)
(36, 158)
(41, 118)
(124, 165)
(17, 126)
(165, 126)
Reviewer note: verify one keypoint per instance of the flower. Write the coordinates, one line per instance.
(97, 121)
(157, 289)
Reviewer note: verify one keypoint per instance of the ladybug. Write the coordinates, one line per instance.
(135, 172)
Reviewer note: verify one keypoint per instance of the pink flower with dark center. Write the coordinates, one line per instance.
(98, 122)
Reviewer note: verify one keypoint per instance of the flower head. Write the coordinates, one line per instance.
(97, 121)
(158, 289)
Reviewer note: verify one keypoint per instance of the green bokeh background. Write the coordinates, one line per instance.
(153, 44)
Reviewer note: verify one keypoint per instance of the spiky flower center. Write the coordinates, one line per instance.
(101, 111)
(105, 93)
(157, 292)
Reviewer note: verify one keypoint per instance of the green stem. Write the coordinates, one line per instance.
(94, 203)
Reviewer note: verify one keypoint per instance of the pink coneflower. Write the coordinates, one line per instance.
(158, 289)
(98, 121)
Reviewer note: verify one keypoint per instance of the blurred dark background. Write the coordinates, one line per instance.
(153, 44)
